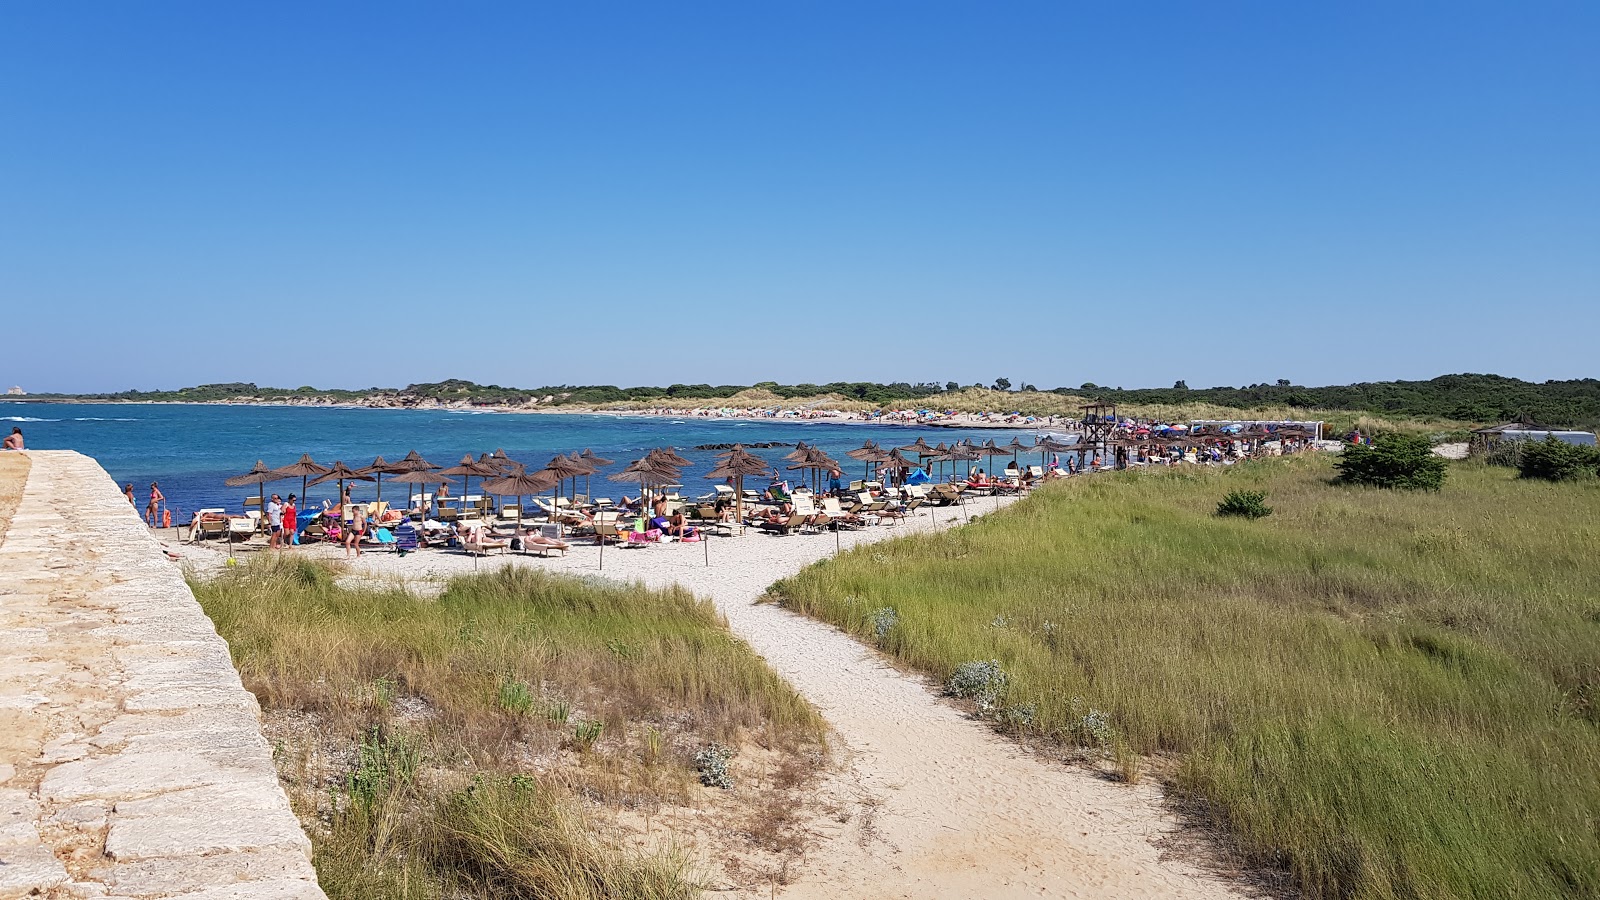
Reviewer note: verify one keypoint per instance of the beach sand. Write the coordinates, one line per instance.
(13, 475)
(926, 802)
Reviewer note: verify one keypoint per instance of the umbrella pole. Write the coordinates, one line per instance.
(705, 539)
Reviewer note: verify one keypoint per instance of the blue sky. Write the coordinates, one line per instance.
(1125, 193)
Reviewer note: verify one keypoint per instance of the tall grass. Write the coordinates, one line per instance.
(451, 739)
(1387, 694)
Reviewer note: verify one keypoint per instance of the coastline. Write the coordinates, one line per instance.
(788, 415)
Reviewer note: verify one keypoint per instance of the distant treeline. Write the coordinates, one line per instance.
(1473, 398)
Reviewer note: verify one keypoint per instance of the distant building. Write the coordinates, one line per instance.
(16, 392)
(1527, 431)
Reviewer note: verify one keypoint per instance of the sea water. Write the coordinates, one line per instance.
(191, 448)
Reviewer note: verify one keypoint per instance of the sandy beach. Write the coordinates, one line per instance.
(936, 804)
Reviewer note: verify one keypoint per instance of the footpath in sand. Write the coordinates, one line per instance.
(941, 806)
(132, 766)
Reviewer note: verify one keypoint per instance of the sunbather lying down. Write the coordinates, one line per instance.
(532, 538)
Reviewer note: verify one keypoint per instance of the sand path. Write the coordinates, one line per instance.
(939, 806)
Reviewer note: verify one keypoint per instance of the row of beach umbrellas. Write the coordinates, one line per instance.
(503, 476)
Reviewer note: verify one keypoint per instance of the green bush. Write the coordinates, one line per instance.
(1250, 504)
(1557, 460)
(1393, 461)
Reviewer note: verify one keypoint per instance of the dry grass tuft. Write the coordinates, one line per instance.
(13, 477)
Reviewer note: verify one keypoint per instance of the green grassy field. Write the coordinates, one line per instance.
(449, 748)
(1388, 695)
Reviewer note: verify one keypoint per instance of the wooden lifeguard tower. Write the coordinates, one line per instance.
(1099, 422)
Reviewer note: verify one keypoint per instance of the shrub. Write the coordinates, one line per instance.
(1393, 461)
(883, 621)
(712, 762)
(1250, 504)
(981, 681)
(1557, 460)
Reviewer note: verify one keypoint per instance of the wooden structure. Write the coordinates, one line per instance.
(1099, 423)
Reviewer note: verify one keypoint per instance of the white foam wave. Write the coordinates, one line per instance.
(25, 419)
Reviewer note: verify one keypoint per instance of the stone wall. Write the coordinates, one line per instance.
(131, 758)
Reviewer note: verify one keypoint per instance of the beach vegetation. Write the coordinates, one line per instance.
(1248, 504)
(1404, 461)
(1382, 694)
(479, 744)
(1555, 460)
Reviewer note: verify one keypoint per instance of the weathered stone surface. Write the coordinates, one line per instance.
(159, 878)
(131, 757)
(28, 870)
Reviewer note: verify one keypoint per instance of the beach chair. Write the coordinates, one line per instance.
(475, 541)
(405, 538)
(836, 513)
(1036, 472)
(211, 528)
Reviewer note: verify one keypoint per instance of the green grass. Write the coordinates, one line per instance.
(426, 716)
(1388, 694)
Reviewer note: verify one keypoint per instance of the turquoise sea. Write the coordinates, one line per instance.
(190, 449)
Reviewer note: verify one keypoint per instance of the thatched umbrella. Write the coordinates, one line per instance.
(468, 469)
(648, 472)
(598, 462)
(413, 477)
(582, 467)
(413, 462)
(258, 475)
(304, 468)
(868, 453)
(670, 457)
(896, 462)
(521, 483)
(738, 463)
(341, 473)
(563, 467)
(919, 446)
(963, 452)
(380, 468)
(1017, 447)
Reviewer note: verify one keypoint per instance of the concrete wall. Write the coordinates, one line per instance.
(131, 758)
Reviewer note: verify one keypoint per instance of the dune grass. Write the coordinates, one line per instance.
(451, 744)
(1387, 694)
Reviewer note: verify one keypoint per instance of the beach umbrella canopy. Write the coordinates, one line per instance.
(520, 483)
(868, 453)
(583, 467)
(303, 469)
(738, 463)
(414, 460)
(593, 460)
(919, 446)
(564, 467)
(341, 473)
(258, 475)
(1017, 447)
(798, 454)
(467, 470)
(670, 457)
(380, 468)
(648, 472)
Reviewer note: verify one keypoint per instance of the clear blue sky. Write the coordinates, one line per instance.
(1125, 193)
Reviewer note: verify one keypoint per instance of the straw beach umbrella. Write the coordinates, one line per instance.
(466, 470)
(868, 453)
(413, 462)
(736, 464)
(519, 484)
(380, 468)
(305, 468)
(424, 477)
(341, 473)
(598, 462)
(563, 467)
(582, 467)
(258, 475)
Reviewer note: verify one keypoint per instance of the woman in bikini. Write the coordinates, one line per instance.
(154, 506)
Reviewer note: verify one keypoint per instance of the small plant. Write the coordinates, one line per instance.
(981, 681)
(1018, 717)
(652, 743)
(1249, 504)
(1553, 459)
(883, 621)
(385, 761)
(514, 696)
(557, 711)
(1091, 727)
(1393, 461)
(1128, 763)
(712, 763)
(383, 692)
(586, 732)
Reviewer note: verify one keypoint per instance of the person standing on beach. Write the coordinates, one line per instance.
(291, 522)
(274, 521)
(13, 440)
(128, 492)
(353, 534)
(154, 506)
